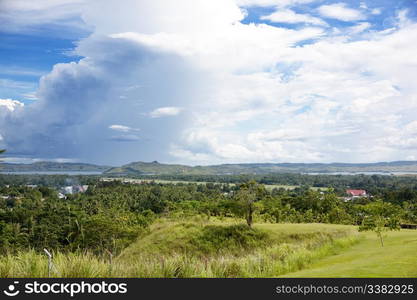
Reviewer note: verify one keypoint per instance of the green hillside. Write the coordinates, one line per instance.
(155, 168)
(229, 249)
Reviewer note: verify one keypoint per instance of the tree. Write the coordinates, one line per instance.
(245, 199)
(380, 217)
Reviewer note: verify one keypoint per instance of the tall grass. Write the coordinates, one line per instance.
(266, 262)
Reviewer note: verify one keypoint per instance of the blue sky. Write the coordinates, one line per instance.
(201, 83)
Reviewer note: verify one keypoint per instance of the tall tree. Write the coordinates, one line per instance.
(245, 199)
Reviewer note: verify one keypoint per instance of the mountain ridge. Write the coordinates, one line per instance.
(156, 168)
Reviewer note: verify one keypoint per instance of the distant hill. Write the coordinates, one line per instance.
(46, 166)
(155, 168)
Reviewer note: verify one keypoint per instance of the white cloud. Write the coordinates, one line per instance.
(10, 105)
(19, 16)
(340, 11)
(246, 92)
(291, 17)
(359, 28)
(122, 128)
(150, 17)
(165, 112)
(279, 3)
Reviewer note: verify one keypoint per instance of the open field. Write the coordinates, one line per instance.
(161, 181)
(398, 258)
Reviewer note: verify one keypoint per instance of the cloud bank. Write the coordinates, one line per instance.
(193, 83)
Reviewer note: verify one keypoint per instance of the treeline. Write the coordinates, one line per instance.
(47, 180)
(110, 215)
(375, 184)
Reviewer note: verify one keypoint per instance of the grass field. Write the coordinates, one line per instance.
(229, 249)
(398, 258)
(267, 186)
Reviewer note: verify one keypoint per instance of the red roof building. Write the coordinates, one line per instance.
(356, 193)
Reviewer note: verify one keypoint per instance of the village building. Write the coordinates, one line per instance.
(354, 194)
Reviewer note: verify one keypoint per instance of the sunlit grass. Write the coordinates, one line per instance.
(290, 247)
(398, 258)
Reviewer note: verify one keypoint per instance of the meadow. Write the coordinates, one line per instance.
(202, 248)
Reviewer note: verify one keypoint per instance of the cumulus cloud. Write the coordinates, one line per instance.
(77, 101)
(165, 112)
(10, 105)
(291, 17)
(242, 92)
(340, 11)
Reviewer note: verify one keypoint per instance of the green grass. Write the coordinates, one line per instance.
(398, 258)
(197, 249)
(196, 239)
(229, 249)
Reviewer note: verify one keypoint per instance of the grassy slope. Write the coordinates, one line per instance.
(190, 249)
(398, 258)
(293, 250)
(166, 238)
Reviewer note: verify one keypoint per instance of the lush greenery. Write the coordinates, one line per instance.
(380, 217)
(396, 259)
(162, 229)
(110, 215)
(171, 250)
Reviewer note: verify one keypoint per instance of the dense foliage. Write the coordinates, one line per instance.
(110, 215)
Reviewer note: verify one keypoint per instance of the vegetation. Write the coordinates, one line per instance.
(289, 248)
(396, 259)
(246, 199)
(161, 229)
(380, 217)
